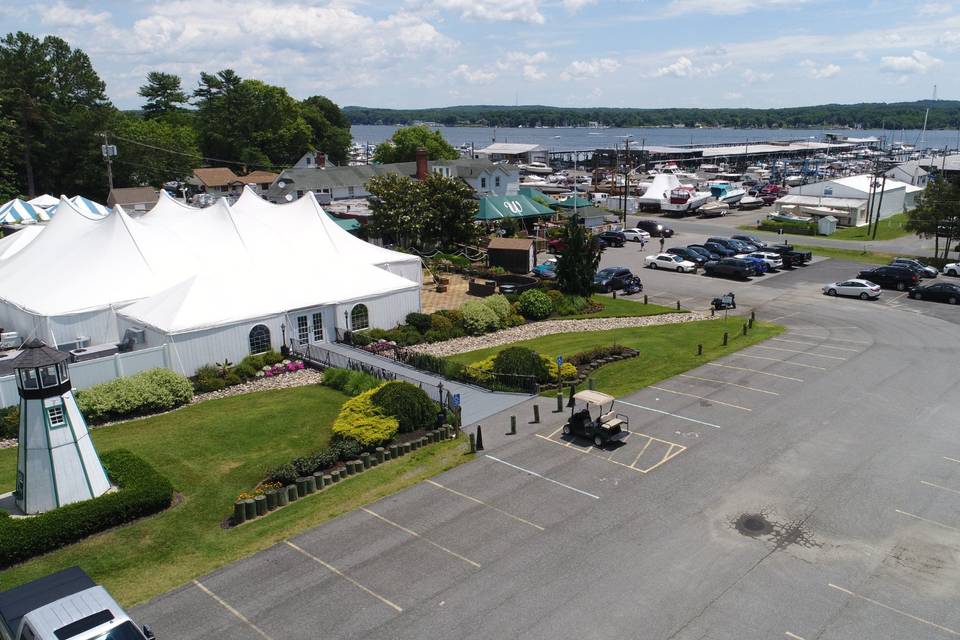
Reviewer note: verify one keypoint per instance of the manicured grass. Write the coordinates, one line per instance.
(621, 308)
(665, 350)
(889, 229)
(211, 452)
(854, 255)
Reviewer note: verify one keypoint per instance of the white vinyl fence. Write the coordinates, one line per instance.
(91, 372)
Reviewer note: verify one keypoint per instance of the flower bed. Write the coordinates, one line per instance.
(282, 367)
(213, 377)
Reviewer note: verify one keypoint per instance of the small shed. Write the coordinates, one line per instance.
(827, 225)
(516, 255)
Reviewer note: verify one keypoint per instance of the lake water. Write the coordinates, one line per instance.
(589, 139)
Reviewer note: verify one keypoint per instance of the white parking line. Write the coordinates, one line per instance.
(542, 477)
(233, 611)
(801, 335)
(951, 459)
(933, 522)
(937, 486)
(667, 413)
(806, 353)
(334, 570)
(772, 375)
(690, 395)
(489, 506)
(796, 364)
(793, 636)
(889, 608)
(732, 384)
(814, 344)
(417, 535)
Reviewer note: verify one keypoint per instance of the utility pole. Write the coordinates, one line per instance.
(626, 182)
(876, 224)
(109, 151)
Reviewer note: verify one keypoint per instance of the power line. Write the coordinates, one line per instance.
(197, 156)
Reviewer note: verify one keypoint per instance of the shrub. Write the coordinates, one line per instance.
(586, 357)
(406, 336)
(271, 357)
(535, 304)
(360, 339)
(335, 377)
(205, 385)
(499, 304)
(245, 370)
(344, 449)
(359, 382)
(515, 320)
(520, 361)
(409, 404)
(284, 474)
(207, 371)
(481, 371)
(419, 321)
(454, 315)
(254, 362)
(440, 322)
(572, 305)
(478, 318)
(144, 393)
(567, 370)
(376, 334)
(555, 297)
(143, 491)
(10, 422)
(360, 420)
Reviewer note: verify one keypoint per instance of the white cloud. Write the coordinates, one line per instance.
(573, 6)
(527, 63)
(755, 77)
(61, 15)
(594, 68)
(860, 56)
(917, 62)
(726, 7)
(732, 95)
(817, 72)
(684, 67)
(473, 76)
(492, 10)
(935, 8)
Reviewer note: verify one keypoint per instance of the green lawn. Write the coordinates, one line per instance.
(211, 452)
(854, 255)
(621, 308)
(889, 229)
(665, 350)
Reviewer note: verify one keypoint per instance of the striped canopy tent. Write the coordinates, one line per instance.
(19, 212)
(494, 208)
(44, 201)
(89, 206)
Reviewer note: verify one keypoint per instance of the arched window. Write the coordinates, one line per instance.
(259, 339)
(359, 317)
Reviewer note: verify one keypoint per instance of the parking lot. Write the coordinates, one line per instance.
(806, 487)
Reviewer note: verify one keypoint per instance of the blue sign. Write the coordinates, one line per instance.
(559, 361)
(456, 399)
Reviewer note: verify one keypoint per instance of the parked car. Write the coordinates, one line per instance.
(547, 270)
(755, 241)
(670, 262)
(926, 270)
(655, 229)
(636, 235)
(728, 268)
(791, 257)
(774, 260)
(688, 254)
(608, 427)
(734, 245)
(702, 250)
(612, 278)
(759, 265)
(863, 289)
(951, 269)
(719, 250)
(939, 292)
(612, 238)
(899, 278)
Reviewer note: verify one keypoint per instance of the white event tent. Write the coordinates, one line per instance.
(209, 283)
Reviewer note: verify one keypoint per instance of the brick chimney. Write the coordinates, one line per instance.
(421, 163)
(321, 160)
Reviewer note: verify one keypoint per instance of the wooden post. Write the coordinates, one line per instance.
(536, 414)
(725, 338)
(513, 426)
(699, 349)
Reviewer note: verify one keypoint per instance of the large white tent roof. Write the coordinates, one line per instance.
(45, 200)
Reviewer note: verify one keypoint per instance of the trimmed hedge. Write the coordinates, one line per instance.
(409, 404)
(143, 491)
(535, 304)
(148, 392)
(478, 318)
(350, 381)
(360, 420)
(10, 421)
(520, 361)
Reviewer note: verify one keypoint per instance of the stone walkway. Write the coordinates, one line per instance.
(551, 327)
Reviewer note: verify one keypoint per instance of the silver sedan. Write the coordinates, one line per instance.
(863, 289)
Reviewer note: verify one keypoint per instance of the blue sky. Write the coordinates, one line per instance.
(622, 53)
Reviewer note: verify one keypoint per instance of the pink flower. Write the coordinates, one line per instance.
(268, 374)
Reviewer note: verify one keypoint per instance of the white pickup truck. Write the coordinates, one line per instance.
(66, 605)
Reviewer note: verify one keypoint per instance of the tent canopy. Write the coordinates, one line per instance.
(502, 207)
(19, 212)
(44, 201)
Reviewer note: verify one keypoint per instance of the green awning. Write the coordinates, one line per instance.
(572, 201)
(347, 224)
(503, 207)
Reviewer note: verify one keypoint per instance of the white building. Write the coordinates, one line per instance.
(898, 197)
(514, 152)
(909, 172)
(212, 283)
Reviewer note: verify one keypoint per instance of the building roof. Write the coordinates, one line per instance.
(912, 168)
(502, 207)
(259, 177)
(824, 201)
(126, 196)
(37, 354)
(943, 163)
(509, 148)
(511, 244)
(862, 183)
(215, 176)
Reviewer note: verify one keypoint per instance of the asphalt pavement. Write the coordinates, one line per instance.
(806, 487)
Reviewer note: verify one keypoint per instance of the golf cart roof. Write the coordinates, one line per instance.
(593, 397)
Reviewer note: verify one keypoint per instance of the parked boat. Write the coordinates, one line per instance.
(683, 200)
(727, 192)
(713, 209)
(793, 180)
(750, 202)
(539, 168)
(788, 217)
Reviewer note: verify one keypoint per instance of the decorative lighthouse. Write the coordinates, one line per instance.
(57, 464)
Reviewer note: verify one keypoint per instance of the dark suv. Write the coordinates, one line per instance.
(611, 278)
(654, 228)
(688, 254)
(729, 268)
(719, 249)
(737, 246)
(757, 242)
(892, 277)
(612, 238)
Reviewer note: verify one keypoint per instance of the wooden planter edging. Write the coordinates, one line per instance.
(585, 370)
(268, 502)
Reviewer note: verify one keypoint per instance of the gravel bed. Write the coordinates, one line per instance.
(551, 327)
(300, 378)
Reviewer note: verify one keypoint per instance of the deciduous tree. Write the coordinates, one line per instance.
(579, 260)
(403, 145)
(937, 214)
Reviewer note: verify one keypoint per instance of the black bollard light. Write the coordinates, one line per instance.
(536, 414)
(678, 305)
(573, 390)
(479, 439)
(513, 426)
(473, 443)
(644, 298)
(559, 402)
(699, 349)
(725, 338)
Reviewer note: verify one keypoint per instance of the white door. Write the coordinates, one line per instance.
(309, 328)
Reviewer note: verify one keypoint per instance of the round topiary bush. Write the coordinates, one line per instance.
(409, 404)
(535, 305)
(420, 321)
(440, 323)
(478, 318)
(520, 361)
(500, 306)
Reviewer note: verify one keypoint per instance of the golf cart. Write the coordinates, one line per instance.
(727, 301)
(607, 426)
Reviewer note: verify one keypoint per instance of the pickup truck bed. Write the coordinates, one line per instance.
(19, 601)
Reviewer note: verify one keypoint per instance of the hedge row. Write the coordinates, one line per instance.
(143, 491)
(142, 394)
